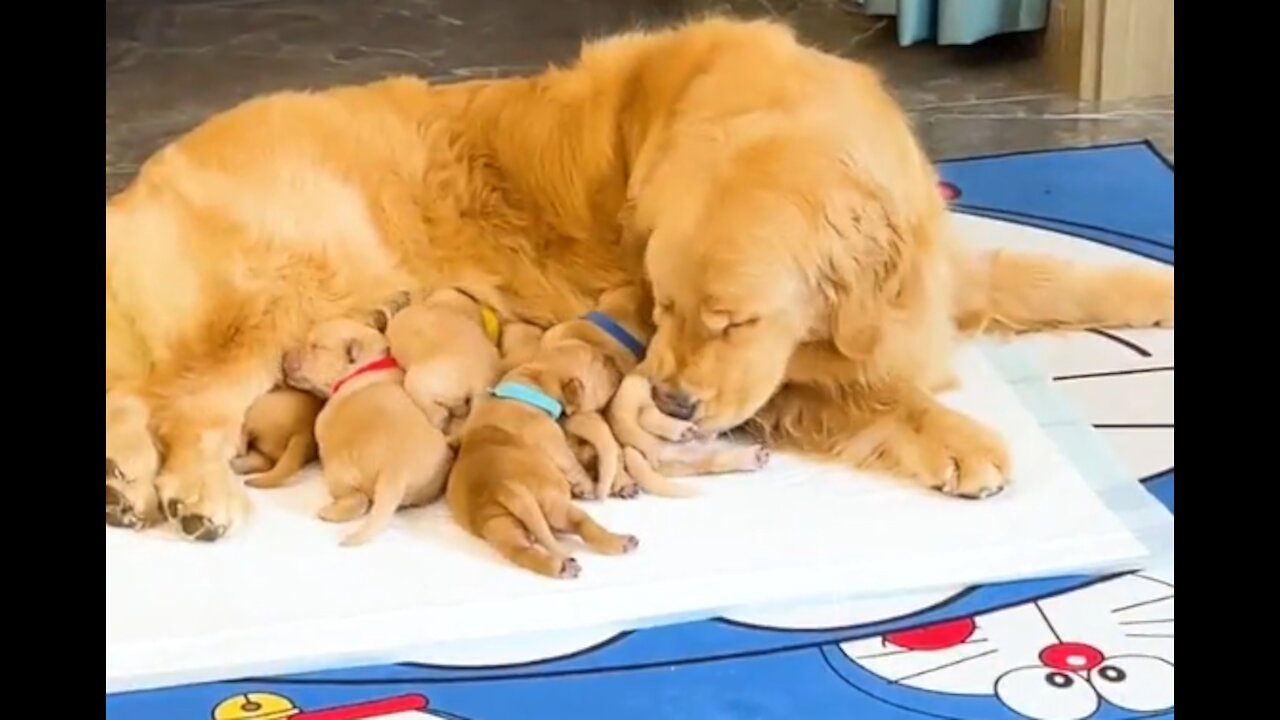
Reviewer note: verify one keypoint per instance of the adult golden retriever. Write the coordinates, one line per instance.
(802, 266)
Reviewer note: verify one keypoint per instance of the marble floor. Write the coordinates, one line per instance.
(171, 63)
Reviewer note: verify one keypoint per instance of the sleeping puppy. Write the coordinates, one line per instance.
(379, 451)
(511, 482)
(639, 446)
(448, 345)
(278, 438)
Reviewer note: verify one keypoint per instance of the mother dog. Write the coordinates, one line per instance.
(803, 272)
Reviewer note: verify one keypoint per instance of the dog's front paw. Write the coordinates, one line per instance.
(960, 457)
(132, 502)
(203, 501)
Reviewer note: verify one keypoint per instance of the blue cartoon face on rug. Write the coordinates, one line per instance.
(1104, 652)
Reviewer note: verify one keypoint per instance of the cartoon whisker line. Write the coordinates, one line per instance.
(1146, 622)
(901, 651)
(951, 664)
(1144, 603)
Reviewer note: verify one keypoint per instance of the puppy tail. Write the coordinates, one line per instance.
(297, 453)
(652, 481)
(1002, 291)
(519, 501)
(388, 495)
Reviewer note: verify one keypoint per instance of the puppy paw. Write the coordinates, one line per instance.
(629, 544)
(626, 488)
(761, 456)
(582, 490)
(569, 569)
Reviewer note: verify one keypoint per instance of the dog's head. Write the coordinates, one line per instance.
(789, 251)
(331, 351)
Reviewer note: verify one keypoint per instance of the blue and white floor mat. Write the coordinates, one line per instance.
(1068, 648)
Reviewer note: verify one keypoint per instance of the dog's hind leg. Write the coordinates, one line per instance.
(509, 537)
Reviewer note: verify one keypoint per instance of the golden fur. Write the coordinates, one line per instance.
(513, 482)
(774, 194)
(278, 438)
(378, 450)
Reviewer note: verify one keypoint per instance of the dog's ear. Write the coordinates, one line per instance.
(355, 349)
(866, 257)
(376, 318)
(572, 390)
(396, 303)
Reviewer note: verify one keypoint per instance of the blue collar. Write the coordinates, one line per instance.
(529, 395)
(616, 331)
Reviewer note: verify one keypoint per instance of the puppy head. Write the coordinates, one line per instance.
(331, 351)
(770, 260)
(584, 377)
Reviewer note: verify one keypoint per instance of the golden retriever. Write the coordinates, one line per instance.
(803, 267)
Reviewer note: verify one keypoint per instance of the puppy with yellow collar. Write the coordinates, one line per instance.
(449, 345)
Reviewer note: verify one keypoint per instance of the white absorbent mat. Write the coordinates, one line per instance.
(279, 595)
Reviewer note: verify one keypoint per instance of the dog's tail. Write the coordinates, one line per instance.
(1002, 291)
(297, 453)
(388, 495)
(521, 503)
(650, 480)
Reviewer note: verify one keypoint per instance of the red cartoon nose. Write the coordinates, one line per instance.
(1071, 657)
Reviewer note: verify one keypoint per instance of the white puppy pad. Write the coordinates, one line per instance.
(279, 595)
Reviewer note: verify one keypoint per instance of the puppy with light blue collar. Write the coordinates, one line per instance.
(513, 481)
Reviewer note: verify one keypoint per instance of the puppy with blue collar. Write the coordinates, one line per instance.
(634, 445)
(511, 482)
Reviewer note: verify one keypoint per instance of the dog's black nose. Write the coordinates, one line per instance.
(674, 403)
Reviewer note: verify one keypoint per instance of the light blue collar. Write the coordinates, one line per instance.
(529, 395)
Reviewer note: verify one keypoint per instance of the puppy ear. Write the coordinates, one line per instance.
(572, 390)
(354, 350)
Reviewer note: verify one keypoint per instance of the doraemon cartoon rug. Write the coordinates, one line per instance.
(1092, 645)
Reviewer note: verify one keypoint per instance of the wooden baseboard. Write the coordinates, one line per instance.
(1110, 49)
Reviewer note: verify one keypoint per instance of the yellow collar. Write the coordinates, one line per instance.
(492, 325)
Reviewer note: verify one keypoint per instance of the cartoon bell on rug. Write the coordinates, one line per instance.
(269, 706)
(255, 706)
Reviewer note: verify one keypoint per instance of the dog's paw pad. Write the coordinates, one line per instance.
(630, 543)
(173, 509)
(569, 569)
(201, 528)
(627, 492)
(119, 512)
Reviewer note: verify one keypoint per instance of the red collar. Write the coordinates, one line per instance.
(386, 363)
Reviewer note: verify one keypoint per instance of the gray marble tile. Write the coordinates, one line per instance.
(171, 63)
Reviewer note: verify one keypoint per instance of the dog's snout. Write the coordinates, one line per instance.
(674, 403)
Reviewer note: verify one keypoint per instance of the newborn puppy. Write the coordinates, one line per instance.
(278, 437)
(448, 347)
(379, 451)
(511, 482)
(646, 446)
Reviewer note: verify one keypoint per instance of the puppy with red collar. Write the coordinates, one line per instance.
(378, 450)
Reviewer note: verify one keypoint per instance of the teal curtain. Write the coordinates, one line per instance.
(959, 22)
